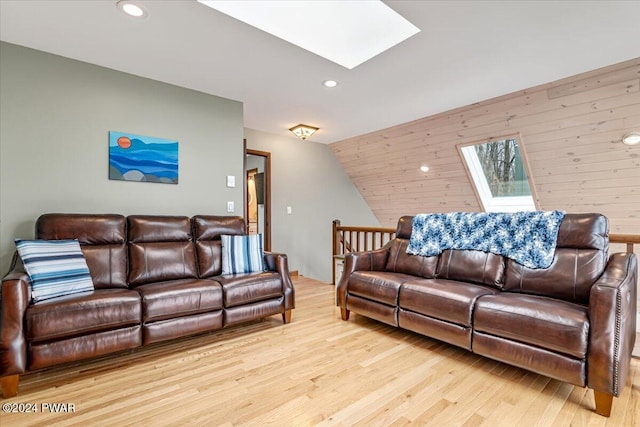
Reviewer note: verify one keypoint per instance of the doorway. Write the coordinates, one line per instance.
(257, 195)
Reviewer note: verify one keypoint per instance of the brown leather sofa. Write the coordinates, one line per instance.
(155, 277)
(574, 321)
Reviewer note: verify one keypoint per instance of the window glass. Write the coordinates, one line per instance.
(499, 175)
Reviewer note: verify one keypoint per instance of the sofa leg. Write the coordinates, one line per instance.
(603, 403)
(344, 313)
(286, 316)
(9, 385)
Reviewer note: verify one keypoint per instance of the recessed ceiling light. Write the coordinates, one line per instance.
(329, 83)
(345, 32)
(424, 168)
(632, 138)
(131, 9)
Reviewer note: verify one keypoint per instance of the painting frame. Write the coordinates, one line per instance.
(141, 158)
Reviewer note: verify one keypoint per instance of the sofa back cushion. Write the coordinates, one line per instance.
(472, 266)
(399, 261)
(206, 232)
(102, 239)
(580, 258)
(467, 266)
(160, 248)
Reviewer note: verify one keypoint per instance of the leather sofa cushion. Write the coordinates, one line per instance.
(399, 261)
(443, 299)
(569, 277)
(107, 265)
(209, 227)
(378, 286)
(472, 266)
(543, 322)
(89, 229)
(165, 300)
(102, 240)
(157, 228)
(206, 232)
(160, 249)
(240, 289)
(71, 349)
(585, 231)
(209, 255)
(405, 226)
(81, 314)
(580, 258)
(161, 261)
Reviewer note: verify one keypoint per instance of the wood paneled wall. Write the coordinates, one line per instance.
(570, 129)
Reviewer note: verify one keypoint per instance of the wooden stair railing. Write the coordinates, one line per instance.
(356, 239)
(628, 239)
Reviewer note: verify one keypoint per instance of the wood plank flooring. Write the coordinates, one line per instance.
(318, 370)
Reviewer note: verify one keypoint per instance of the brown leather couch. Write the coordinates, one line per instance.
(574, 321)
(156, 278)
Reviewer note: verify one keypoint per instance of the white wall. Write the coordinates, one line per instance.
(55, 115)
(307, 176)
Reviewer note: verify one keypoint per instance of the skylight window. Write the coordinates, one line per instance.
(499, 174)
(345, 32)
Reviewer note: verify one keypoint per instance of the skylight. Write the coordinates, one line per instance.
(345, 32)
(499, 174)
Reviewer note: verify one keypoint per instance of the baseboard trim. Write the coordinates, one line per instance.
(294, 273)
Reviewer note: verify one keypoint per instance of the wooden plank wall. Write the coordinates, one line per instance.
(570, 129)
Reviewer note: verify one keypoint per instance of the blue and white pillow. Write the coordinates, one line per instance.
(242, 254)
(55, 267)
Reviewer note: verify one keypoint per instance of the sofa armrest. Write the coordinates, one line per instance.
(612, 315)
(359, 261)
(15, 296)
(279, 262)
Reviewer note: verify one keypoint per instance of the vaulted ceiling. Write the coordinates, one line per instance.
(409, 105)
(467, 51)
(571, 132)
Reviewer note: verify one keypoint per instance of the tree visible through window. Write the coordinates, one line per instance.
(501, 163)
(499, 175)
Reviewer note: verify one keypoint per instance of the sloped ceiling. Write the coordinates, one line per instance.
(467, 51)
(570, 130)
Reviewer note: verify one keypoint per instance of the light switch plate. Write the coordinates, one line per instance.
(230, 207)
(231, 181)
(289, 210)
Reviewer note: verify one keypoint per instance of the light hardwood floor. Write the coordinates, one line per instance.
(317, 370)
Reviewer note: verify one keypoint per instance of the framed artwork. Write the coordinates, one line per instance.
(142, 158)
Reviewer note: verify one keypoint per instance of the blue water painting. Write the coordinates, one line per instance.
(142, 158)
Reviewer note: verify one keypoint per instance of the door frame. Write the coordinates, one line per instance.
(267, 193)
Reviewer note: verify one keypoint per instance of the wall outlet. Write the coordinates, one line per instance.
(231, 181)
(230, 207)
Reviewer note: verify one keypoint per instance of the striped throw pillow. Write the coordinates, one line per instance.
(242, 254)
(55, 267)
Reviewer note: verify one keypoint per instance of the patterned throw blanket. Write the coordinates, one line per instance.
(528, 238)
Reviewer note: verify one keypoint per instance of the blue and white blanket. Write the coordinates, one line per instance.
(528, 238)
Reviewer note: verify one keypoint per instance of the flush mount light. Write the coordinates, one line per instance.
(345, 32)
(330, 83)
(303, 131)
(424, 168)
(131, 9)
(632, 138)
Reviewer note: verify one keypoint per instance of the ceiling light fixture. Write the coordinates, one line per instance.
(131, 8)
(303, 131)
(330, 83)
(632, 138)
